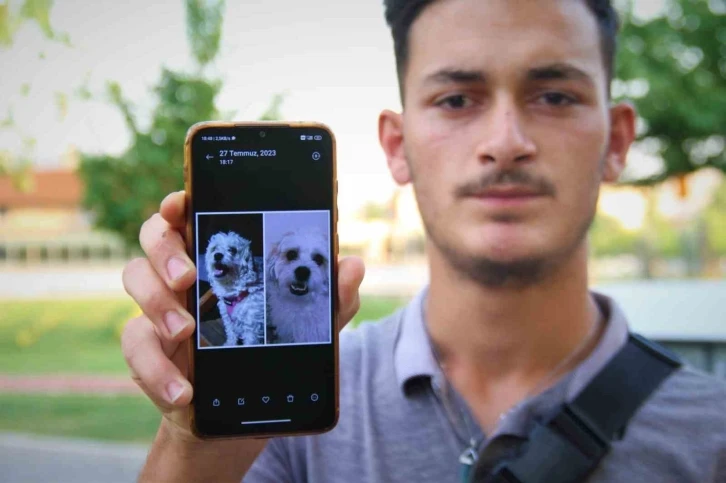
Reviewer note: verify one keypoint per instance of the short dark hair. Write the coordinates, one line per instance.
(400, 15)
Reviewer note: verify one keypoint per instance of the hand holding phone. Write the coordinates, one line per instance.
(159, 361)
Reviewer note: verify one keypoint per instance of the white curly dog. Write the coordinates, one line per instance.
(298, 294)
(239, 289)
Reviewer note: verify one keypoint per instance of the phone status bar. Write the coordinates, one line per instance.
(219, 138)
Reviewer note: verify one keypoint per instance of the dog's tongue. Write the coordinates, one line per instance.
(218, 272)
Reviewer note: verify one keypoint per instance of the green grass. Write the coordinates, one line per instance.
(114, 418)
(373, 308)
(72, 336)
(83, 336)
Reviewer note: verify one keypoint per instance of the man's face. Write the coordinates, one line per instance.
(506, 130)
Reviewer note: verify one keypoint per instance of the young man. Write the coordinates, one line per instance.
(507, 133)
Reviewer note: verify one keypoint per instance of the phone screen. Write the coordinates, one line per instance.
(263, 236)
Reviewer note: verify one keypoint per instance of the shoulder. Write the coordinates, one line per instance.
(693, 398)
(371, 343)
(679, 434)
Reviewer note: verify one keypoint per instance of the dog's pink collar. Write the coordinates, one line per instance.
(232, 302)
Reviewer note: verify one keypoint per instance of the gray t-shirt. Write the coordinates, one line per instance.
(400, 422)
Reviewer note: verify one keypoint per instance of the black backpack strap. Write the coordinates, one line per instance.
(568, 446)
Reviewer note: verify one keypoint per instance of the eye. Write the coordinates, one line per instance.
(455, 102)
(291, 255)
(558, 99)
(319, 259)
(233, 250)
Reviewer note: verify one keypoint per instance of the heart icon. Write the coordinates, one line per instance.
(265, 399)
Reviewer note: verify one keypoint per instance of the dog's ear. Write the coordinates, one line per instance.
(271, 260)
(212, 239)
(250, 257)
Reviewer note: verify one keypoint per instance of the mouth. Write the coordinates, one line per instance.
(508, 191)
(507, 196)
(220, 270)
(299, 288)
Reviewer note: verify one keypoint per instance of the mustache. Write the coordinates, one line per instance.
(509, 178)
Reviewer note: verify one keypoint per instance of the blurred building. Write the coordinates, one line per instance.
(387, 232)
(677, 200)
(687, 316)
(42, 220)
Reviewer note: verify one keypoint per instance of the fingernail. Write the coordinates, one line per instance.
(176, 268)
(173, 390)
(175, 322)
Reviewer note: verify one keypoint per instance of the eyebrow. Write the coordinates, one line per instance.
(459, 76)
(557, 71)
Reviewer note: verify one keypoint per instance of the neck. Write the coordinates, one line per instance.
(510, 336)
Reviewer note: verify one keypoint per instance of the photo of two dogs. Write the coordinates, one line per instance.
(286, 303)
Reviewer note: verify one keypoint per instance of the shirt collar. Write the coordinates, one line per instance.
(413, 356)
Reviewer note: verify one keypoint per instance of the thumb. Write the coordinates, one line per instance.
(350, 276)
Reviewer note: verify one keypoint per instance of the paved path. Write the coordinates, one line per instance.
(67, 384)
(95, 281)
(42, 459)
(60, 282)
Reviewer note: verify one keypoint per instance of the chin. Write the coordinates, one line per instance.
(503, 244)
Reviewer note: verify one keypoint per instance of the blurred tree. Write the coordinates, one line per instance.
(28, 12)
(386, 212)
(273, 111)
(660, 239)
(715, 223)
(124, 191)
(33, 11)
(609, 238)
(373, 211)
(204, 28)
(672, 65)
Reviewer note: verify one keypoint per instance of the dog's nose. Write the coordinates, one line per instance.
(218, 257)
(302, 273)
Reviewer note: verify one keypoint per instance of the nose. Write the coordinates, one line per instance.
(302, 273)
(505, 140)
(218, 257)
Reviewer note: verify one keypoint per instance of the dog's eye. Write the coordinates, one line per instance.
(233, 250)
(291, 255)
(319, 259)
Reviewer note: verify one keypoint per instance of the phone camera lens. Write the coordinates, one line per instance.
(262, 134)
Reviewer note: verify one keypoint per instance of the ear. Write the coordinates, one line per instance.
(250, 258)
(390, 135)
(271, 260)
(622, 135)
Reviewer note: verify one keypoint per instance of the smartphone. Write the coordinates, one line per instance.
(261, 228)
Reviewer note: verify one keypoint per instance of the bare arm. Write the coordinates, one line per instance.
(173, 459)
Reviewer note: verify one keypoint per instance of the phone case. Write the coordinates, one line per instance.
(188, 185)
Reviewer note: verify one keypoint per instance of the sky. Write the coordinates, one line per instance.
(333, 61)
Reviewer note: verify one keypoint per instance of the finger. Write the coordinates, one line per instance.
(173, 209)
(350, 275)
(166, 251)
(151, 368)
(156, 300)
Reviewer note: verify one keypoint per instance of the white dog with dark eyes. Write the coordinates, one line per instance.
(239, 289)
(298, 294)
